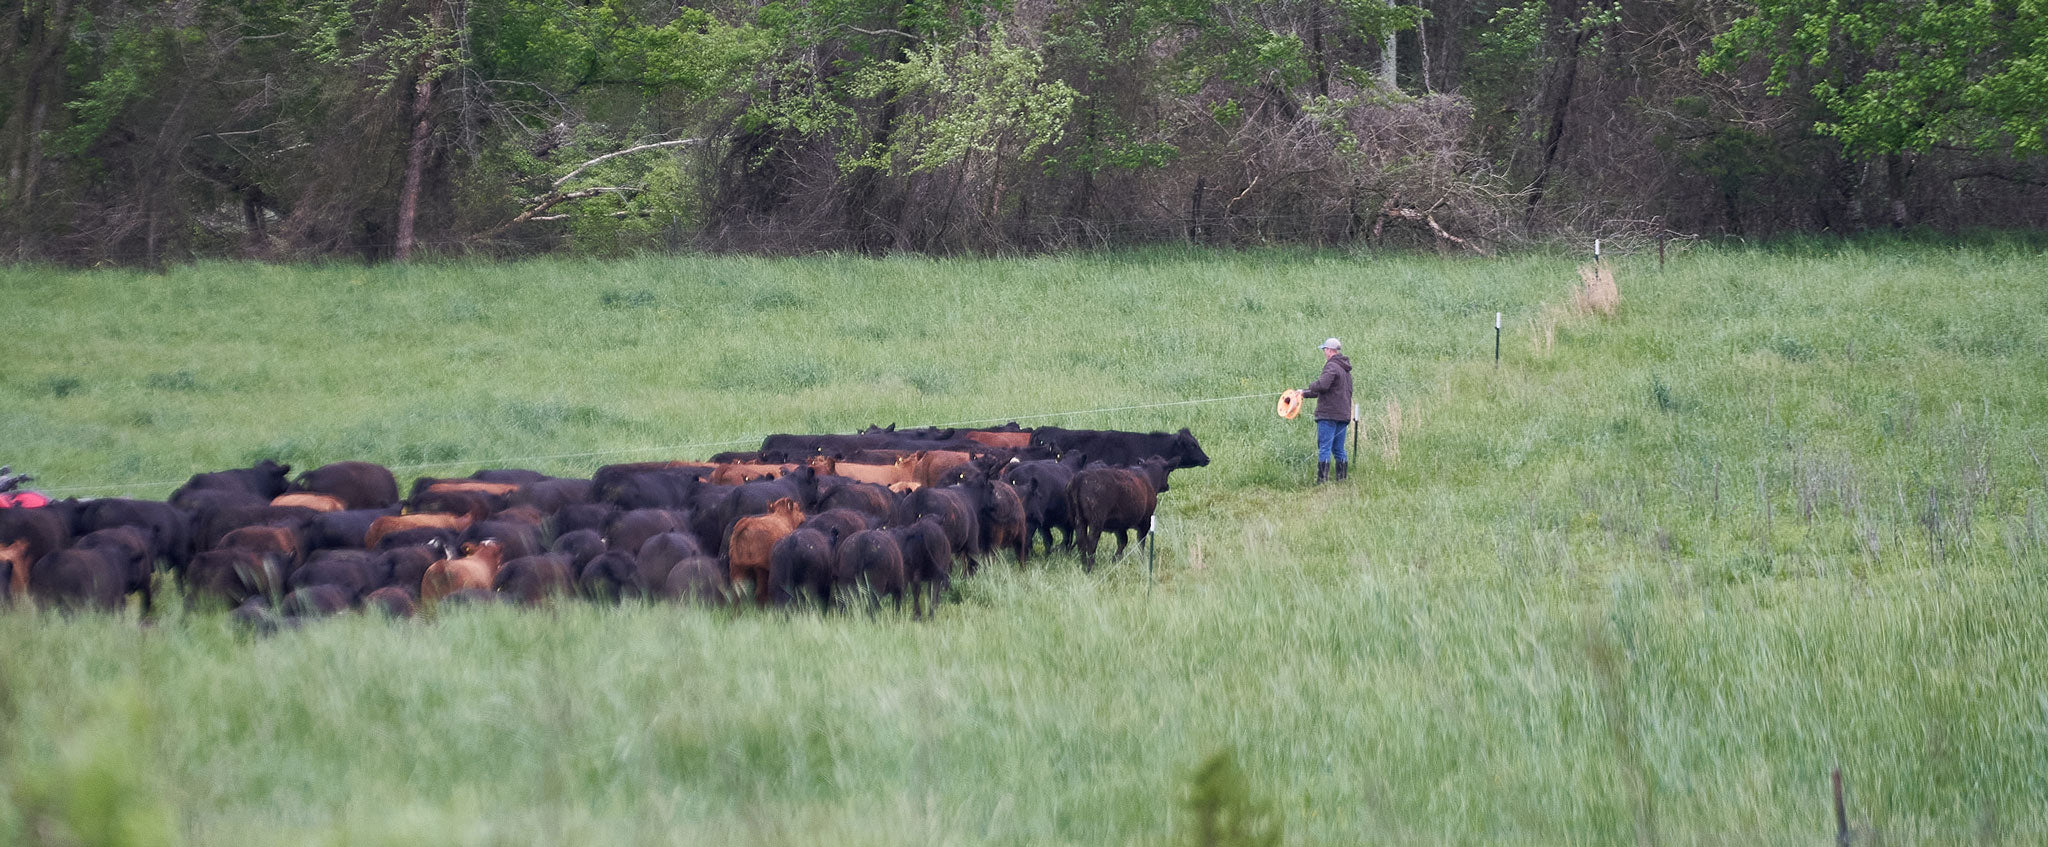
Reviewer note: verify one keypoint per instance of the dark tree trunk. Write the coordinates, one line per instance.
(35, 51)
(422, 138)
(1554, 140)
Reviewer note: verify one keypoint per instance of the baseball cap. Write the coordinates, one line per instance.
(1332, 344)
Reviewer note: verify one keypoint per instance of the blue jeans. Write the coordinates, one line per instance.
(1330, 439)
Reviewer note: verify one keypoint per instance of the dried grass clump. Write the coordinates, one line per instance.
(1549, 316)
(1596, 293)
(1390, 440)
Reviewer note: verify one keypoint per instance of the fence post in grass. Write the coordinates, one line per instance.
(1151, 545)
(1496, 341)
(1354, 431)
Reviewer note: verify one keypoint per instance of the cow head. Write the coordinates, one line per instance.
(1187, 452)
(805, 479)
(1156, 468)
(787, 509)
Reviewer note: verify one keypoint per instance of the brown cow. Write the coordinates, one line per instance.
(738, 473)
(308, 500)
(929, 467)
(478, 568)
(389, 524)
(496, 489)
(753, 538)
(262, 540)
(901, 471)
(997, 438)
(15, 558)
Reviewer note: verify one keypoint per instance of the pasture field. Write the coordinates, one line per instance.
(1647, 582)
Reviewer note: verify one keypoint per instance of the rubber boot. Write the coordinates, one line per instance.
(1343, 470)
(1322, 472)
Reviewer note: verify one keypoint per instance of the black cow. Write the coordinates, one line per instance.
(266, 480)
(1118, 500)
(316, 601)
(580, 516)
(209, 529)
(611, 577)
(927, 562)
(230, 577)
(255, 615)
(631, 529)
(46, 531)
(169, 530)
(801, 448)
(956, 515)
(872, 561)
(873, 500)
(999, 510)
(698, 579)
(662, 488)
(97, 572)
(645, 485)
(392, 602)
(1042, 485)
(533, 580)
(354, 572)
(837, 524)
(659, 554)
(519, 538)
(514, 476)
(341, 530)
(552, 495)
(580, 546)
(1115, 448)
(803, 560)
(201, 502)
(406, 566)
(358, 485)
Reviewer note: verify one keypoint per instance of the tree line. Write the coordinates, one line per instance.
(142, 132)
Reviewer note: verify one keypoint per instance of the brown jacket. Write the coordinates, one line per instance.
(1332, 390)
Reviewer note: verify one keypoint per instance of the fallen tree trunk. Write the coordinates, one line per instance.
(556, 196)
(1410, 213)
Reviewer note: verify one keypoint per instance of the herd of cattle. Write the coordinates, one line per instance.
(885, 512)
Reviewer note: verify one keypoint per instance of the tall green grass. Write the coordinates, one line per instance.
(1647, 581)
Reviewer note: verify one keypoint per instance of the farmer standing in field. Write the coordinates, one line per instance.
(1332, 393)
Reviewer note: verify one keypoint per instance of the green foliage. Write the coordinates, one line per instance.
(1222, 810)
(1893, 77)
(99, 788)
(122, 65)
(980, 100)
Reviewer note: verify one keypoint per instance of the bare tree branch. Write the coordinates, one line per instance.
(895, 32)
(550, 200)
(617, 153)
